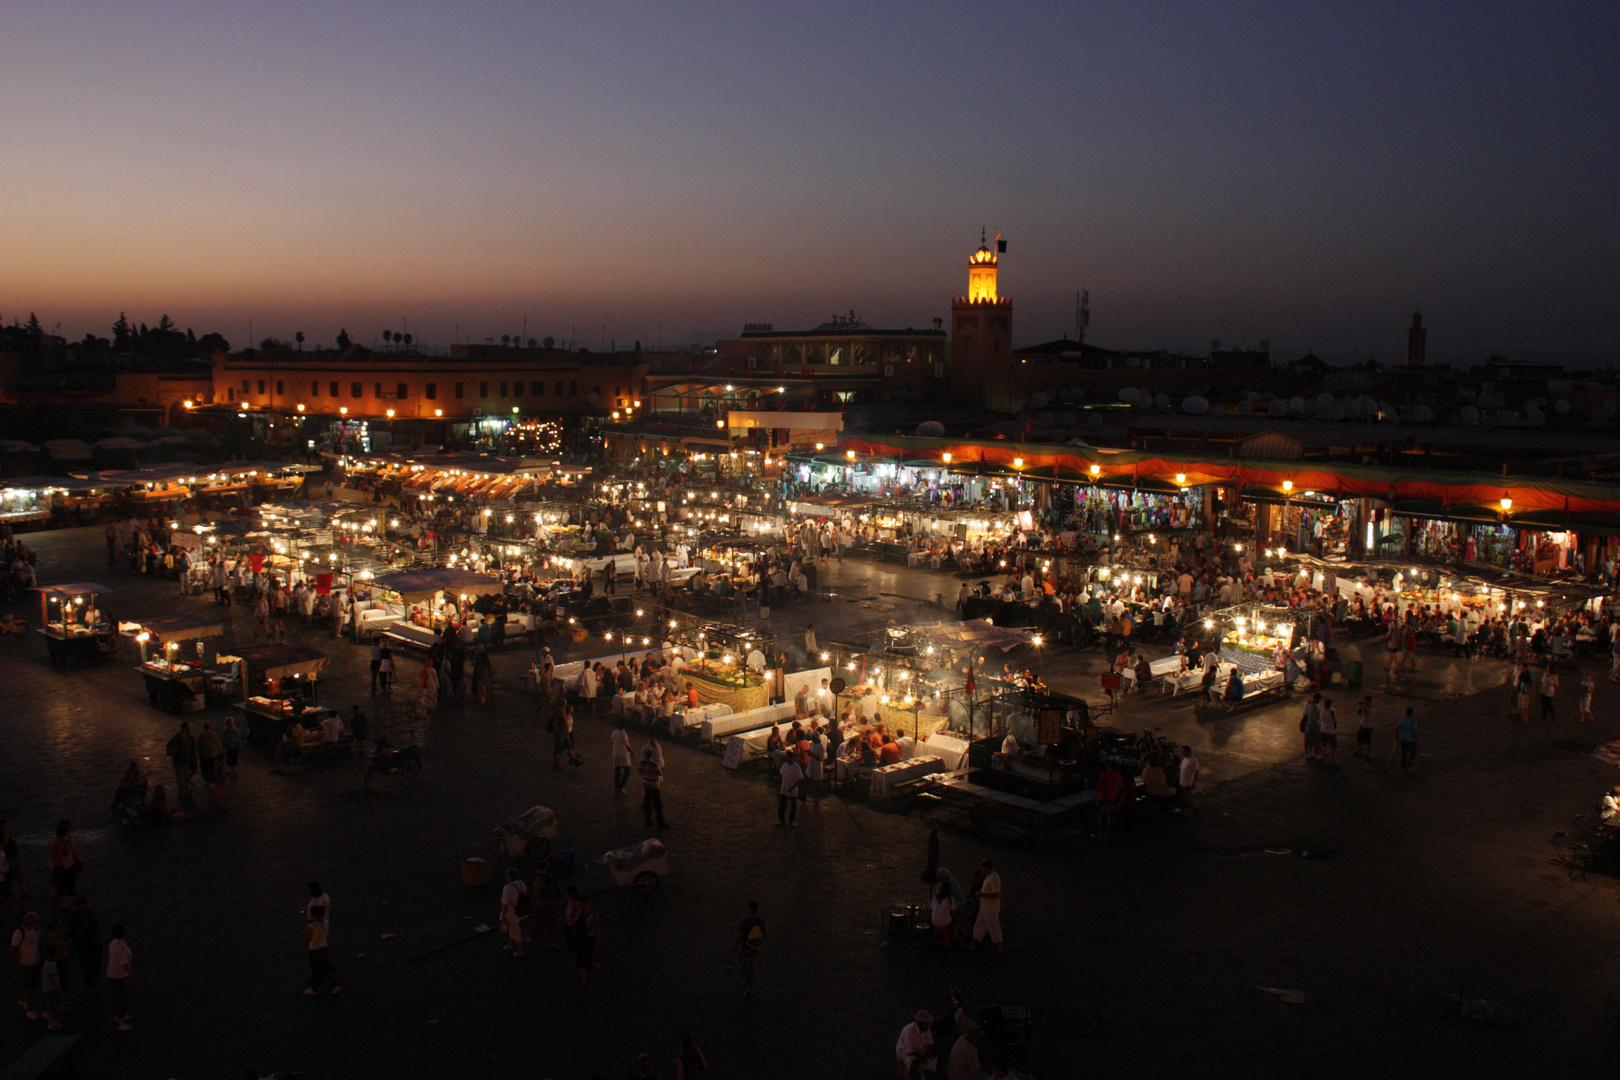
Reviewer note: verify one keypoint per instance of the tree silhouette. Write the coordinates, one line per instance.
(388, 335)
(408, 339)
(343, 341)
(533, 343)
(548, 342)
(120, 331)
(299, 337)
(32, 326)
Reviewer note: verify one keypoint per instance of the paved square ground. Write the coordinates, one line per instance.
(1416, 887)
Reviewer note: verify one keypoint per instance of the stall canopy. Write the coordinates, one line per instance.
(71, 589)
(974, 632)
(284, 661)
(169, 628)
(423, 584)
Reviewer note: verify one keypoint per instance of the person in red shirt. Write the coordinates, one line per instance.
(1110, 788)
(889, 754)
(691, 696)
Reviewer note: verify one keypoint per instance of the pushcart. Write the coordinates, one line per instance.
(530, 833)
(641, 867)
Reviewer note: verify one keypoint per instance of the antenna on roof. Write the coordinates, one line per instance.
(1082, 315)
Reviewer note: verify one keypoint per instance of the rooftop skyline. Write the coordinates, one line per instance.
(647, 173)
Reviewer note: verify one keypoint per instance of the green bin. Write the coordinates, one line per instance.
(1352, 675)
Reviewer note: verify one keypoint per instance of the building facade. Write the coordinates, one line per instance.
(474, 381)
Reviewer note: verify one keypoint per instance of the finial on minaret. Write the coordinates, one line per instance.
(981, 235)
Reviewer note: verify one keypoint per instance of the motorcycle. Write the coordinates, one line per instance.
(389, 760)
(1007, 1024)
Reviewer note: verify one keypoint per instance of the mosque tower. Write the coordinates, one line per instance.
(981, 327)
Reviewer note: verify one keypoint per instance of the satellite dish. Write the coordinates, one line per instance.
(1133, 361)
(837, 684)
(1277, 407)
(1040, 399)
(1217, 410)
(932, 429)
(1561, 406)
(1469, 415)
(1194, 405)
(1423, 414)
(1161, 400)
(1129, 394)
(1045, 419)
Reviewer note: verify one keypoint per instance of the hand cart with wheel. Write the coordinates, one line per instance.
(530, 833)
(641, 867)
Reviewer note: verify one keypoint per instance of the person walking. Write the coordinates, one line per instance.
(51, 999)
(12, 884)
(385, 667)
(1549, 688)
(942, 912)
(750, 938)
(120, 973)
(209, 747)
(27, 954)
(1327, 724)
(1364, 727)
(989, 918)
(516, 904)
(1110, 789)
(562, 735)
(65, 865)
(84, 931)
(317, 939)
(584, 934)
(230, 744)
(620, 742)
(690, 1064)
(1187, 774)
(787, 797)
(1310, 722)
(1526, 690)
(650, 766)
(1406, 738)
(376, 662)
(1588, 684)
(182, 751)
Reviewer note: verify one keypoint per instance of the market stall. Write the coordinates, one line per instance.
(172, 651)
(72, 622)
(279, 684)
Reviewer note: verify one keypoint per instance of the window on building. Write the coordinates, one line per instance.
(230, 395)
(334, 389)
(483, 389)
(431, 391)
(280, 389)
(459, 389)
(537, 388)
(261, 386)
(244, 386)
(573, 388)
(503, 389)
(376, 391)
(314, 389)
(357, 390)
(402, 391)
(559, 388)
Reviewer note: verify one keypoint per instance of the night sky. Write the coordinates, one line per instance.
(1307, 173)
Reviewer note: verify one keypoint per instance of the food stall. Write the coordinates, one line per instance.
(71, 621)
(279, 684)
(174, 680)
(424, 601)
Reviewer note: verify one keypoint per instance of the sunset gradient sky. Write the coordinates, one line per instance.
(1304, 172)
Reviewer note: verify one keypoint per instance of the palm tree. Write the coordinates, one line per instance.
(299, 337)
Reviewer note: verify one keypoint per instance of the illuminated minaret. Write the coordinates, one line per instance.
(981, 326)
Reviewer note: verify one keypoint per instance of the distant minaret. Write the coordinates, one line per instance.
(981, 327)
(1417, 340)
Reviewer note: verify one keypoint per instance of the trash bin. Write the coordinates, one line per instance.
(474, 872)
(1352, 674)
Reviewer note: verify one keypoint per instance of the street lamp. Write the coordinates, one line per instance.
(947, 457)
